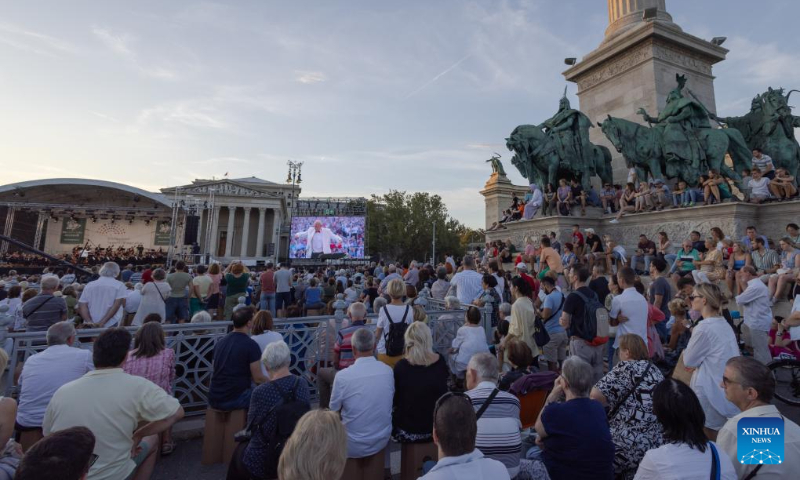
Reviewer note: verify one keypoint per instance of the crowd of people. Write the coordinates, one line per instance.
(138, 255)
(762, 183)
(648, 362)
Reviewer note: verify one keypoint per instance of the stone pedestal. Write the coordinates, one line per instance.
(498, 193)
(635, 67)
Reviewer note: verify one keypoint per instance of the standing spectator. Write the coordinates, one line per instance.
(200, 291)
(470, 340)
(214, 303)
(237, 281)
(177, 304)
(555, 351)
(284, 394)
(236, 365)
(628, 309)
(455, 433)
(466, 284)
(45, 309)
(750, 386)
(625, 392)
(757, 314)
(151, 359)
(68, 452)
(390, 320)
(571, 426)
(441, 285)
(342, 352)
(686, 452)
(267, 280)
(646, 251)
(499, 425)
(712, 344)
(412, 276)
(154, 297)
(283, 287)
(523, 316)
(103, 300)
(494, 268)
(364, 393)
(120, 402)
(45, 372)
(599, 283)
(132, 301)
(420, 378)
(575, 316)
(660, 293)
(317, 449)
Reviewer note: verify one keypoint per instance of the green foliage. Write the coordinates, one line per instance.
(401, 226)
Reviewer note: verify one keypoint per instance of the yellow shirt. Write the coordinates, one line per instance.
(522, 322)
(110, 403)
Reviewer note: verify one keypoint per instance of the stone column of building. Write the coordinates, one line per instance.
(245, 231)
(276, 231)
(260, 235)
(214, 218)
(229, 234)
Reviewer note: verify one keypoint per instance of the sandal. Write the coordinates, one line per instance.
(167, 448)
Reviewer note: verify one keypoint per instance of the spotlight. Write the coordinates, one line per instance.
(571, 61)
(718, 41)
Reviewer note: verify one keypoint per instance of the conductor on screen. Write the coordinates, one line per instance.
(318, 240)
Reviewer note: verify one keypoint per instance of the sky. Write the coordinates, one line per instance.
(371, 95)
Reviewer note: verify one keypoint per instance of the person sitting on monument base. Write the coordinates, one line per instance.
(782, 186)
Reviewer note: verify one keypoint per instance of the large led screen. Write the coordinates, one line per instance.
(351, 231)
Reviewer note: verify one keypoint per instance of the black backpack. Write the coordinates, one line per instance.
(395, 338)
(595, 319)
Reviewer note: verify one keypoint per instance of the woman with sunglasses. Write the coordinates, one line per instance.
(712, 344)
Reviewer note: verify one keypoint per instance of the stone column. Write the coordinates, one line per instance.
(276, 229)
(229, 235)
(245, 230)
(213, 217)
(260, 236)
(625, 14)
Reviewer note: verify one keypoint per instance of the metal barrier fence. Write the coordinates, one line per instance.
(310, 339)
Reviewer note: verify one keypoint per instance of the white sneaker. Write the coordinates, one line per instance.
(614, 221)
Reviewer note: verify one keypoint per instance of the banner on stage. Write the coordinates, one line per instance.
(73, 230)
(163, 233)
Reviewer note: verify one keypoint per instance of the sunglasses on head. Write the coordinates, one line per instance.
(447, 396)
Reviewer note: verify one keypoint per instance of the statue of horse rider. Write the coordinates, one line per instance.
(568, 133)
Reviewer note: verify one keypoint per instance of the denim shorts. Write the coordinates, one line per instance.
(176, 308)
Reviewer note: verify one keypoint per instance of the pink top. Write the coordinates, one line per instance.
(215, 280)
(159, 369)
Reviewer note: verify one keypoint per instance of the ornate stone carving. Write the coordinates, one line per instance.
(229, 189)
(681, 57)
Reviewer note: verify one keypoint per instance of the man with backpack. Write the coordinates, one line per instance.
(363, 393)
(586, 321)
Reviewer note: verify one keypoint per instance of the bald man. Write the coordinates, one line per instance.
(318, 240)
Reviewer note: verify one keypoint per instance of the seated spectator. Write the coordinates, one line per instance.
(285, 396)
(625, 393)
(364, 393)
(572, 429)
(686, 452)
(759, 187)
(712, 344)
(317, 449)
(499, 424)
(14, 303)
(455, 432)
(45, 309)
(390, 324)
(236, 365)
(750, 386)
(9, 455)
(789, 268)
(342, 352)
(709, 269)
(313, 296)
(470, 339)
(646, 252)
(151, 359)
(119, 403)
(45, 372)
(68, 452)
(520, 359)
(103, 300)
(783, 186)
(420, 378)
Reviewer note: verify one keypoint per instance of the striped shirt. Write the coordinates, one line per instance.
(42, 311)
(763, 163)
(765, 261)
(499, 426)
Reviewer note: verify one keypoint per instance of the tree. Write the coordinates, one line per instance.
(401, 226)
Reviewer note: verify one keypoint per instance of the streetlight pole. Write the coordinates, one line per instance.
(294, 177)
(433, 256)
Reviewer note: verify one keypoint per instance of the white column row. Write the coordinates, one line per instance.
(244, 250)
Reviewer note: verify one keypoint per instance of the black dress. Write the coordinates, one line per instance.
(416, 389)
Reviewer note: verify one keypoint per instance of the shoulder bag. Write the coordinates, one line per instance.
(624, 399)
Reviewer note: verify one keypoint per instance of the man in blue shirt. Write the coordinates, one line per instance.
(556, 349)
(749, 239)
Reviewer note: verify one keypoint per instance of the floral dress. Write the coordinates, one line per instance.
(634, 427)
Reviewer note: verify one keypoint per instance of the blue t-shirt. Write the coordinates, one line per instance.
(232, 358)
(553, 301)
(313, 295)
(578, 442)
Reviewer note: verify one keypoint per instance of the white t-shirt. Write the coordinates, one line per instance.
(316, 242)
(132, 301)
(680, 462)
(396, 312)
(759, 187)
(100, 295)
(633, 306)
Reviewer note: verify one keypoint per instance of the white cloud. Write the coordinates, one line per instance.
(122, 45)
(310, 77)
(35, 42)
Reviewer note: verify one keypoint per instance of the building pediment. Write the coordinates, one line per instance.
(225, 188)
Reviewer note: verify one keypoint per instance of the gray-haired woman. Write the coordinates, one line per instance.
(154, 297)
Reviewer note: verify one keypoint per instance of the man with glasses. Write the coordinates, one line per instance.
(750, 386)
(455, 429)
